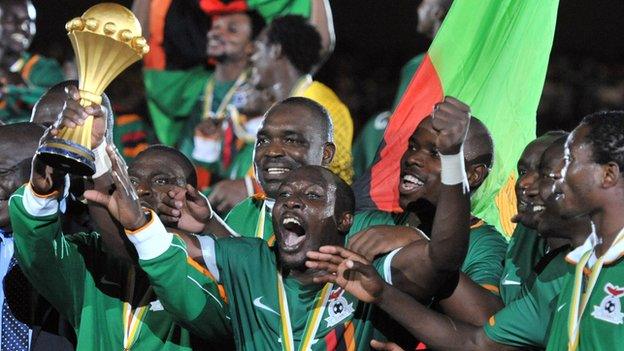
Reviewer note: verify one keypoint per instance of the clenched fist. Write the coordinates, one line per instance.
(450, 119)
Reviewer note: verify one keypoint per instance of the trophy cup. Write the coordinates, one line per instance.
(106, 40)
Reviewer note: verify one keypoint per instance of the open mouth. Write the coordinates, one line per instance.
(146, 205)
(293, 235)
(410, 182)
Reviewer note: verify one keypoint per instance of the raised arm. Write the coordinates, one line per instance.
(323, 20)
(53, 265)
(422, 267)
(186, 290)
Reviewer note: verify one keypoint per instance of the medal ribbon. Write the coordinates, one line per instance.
(580, 298)
(133, 318)
(260, 225)
(209, 94)
(312, 324)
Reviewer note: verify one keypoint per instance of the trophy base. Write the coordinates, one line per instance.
(67, 155)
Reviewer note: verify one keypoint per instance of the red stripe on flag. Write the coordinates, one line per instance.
(423, 92)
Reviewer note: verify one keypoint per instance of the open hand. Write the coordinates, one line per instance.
(450, 118)
(349, 270)
(123, 204)
(186, 207)
(74, 115)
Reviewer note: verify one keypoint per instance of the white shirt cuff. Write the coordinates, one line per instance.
(151, 240)
(38, 205)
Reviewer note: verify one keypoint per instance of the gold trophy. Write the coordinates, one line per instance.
(106, 40)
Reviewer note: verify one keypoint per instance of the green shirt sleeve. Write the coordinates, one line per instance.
(53, 265)
(527, 320)
(484, 260)
(186, 290)
(171, 97)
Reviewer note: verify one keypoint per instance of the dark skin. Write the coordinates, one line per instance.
(420, 180)
(305, 218)
(271, 68)
(528, 174)
(421, 267)
(227, 193)
(441, 332)
(598, 189)
(230, 43)
(17, 146)
(17, 29)
(289, 138)
(431, 13)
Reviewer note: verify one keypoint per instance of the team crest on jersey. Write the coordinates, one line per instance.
(610, 308)
(338, 308)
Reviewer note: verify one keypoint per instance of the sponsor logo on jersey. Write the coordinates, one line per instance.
(338, 308)
(262, 306)
(506, 281)
(610, 308)
(156, 306)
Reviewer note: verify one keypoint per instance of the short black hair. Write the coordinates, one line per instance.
(606, 136)
(300, 41)
(179, 157)
(316, 109)
(345, 198)
(257, 23)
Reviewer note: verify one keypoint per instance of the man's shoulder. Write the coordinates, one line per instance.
(485, 233)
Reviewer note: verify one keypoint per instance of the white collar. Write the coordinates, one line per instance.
(613, 253)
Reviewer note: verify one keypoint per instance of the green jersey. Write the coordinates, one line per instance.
(526, 248)
(486, 246)
(602, 322)
(525, 322)
(257, 302)
(38, 73)
(252, 218)
(108, 301)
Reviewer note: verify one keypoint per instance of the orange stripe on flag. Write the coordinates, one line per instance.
(423, 92)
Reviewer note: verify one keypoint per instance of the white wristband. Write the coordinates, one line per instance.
(103, 163)
(453, 169)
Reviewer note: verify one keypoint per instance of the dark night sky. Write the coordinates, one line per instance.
(375, 37)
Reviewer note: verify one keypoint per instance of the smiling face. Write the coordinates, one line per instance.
(290, 137)
(230, 37)
(529, 201)
(550, 187)
(581, 174)
(306, 217)
(153, 174)
(17, 20)
(420, 167)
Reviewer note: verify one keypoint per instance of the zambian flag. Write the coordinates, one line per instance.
(492, 55)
